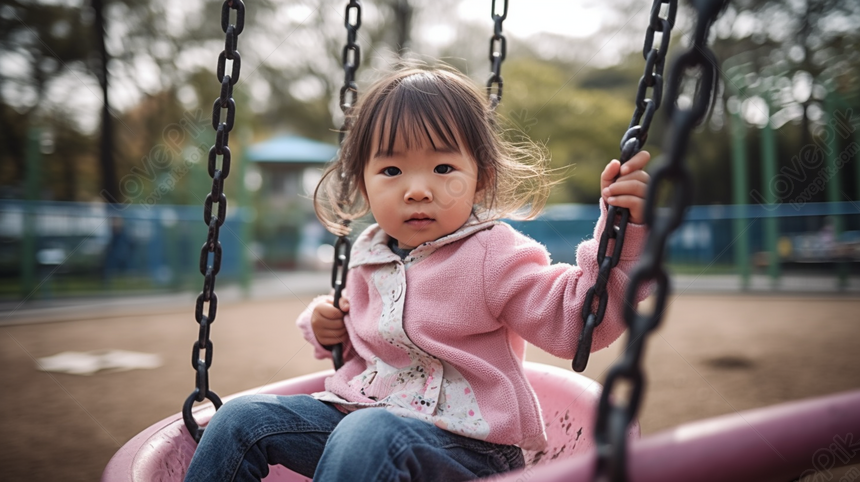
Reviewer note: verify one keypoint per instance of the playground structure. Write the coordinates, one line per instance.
(819, 166)
(812, 422)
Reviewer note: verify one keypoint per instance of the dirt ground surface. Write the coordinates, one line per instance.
(713, 355)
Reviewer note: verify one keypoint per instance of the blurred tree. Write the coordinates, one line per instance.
(43, 49)
(163, 57)
(290, 77)
(110, 187)
(580, 127)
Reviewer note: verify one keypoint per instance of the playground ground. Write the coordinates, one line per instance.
(714, 354)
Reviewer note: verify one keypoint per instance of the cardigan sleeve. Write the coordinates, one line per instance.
(543, 302)
(304, 324)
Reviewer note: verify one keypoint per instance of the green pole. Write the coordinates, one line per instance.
(245, 226)
(857, 165)
(740, 190)
(834, 183)
(33, 158)
(768, 157)
(172, 230)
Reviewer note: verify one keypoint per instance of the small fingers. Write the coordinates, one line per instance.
(636, 162)
(328, 324)
(632, 187)
(635, 176)
(634, 203)
(331, 339)
(625, 201)
(327, 312)
(331, 332)
(609, 173)
(343, 303)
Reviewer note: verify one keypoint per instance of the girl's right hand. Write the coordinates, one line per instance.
(327, 322)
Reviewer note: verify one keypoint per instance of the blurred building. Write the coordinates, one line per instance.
(286, 170)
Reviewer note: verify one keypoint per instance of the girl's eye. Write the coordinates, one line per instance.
(443, 169)
(391, 171)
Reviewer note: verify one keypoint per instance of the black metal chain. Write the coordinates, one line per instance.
(348, 97)
(216, 196)
(338, 281)
(351, 59)
(497, 55)
(631, 143)
(616, 411)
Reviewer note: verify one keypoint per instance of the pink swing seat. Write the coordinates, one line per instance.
(163, 451)
(777, 443)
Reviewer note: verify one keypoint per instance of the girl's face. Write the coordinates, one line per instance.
(420, 194)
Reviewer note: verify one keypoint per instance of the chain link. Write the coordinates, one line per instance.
(631, 143)
(498, 52)
(348, 97)
(615, 411)
(216, 196)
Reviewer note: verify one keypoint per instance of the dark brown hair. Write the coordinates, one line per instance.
(436, 106)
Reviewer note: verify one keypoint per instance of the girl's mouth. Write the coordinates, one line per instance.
(419, 223)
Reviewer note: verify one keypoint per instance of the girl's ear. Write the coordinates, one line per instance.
(481, 188)
(362, 188)
(479, 193)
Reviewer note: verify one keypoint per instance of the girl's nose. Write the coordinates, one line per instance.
(418, 192)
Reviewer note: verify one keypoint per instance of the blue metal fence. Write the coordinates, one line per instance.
(93, 247)
(708, 237)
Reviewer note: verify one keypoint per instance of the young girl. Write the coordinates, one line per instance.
(443, 297)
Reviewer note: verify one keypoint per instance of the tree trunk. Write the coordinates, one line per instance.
(402, 24)
(110, 187)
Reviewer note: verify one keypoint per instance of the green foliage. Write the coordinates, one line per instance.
(163, 59)
(580, 127)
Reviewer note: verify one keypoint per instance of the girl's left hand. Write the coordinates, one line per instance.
(628, 191)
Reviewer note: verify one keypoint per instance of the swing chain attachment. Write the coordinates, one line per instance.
(351, 59)
(631, 143)
(498, 52)
(339, 271)
(212, 245)
(622, 392)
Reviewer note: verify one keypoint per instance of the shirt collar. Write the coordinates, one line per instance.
(371, 246)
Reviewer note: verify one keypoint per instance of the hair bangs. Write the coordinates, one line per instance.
(420, 114)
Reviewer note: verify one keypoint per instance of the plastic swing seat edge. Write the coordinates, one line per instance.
(774, 443)
(169, 442)
(164, 450)
(771, 443)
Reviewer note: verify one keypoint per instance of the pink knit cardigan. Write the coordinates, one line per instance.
(474, 298)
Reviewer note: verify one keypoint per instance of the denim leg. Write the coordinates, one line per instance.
(372, 444)
(249, 433)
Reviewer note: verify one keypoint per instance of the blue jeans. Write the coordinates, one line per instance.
(317, 440)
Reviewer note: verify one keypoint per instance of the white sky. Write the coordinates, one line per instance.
(525, 18)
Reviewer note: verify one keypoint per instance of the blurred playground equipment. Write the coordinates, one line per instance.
(759, 85)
